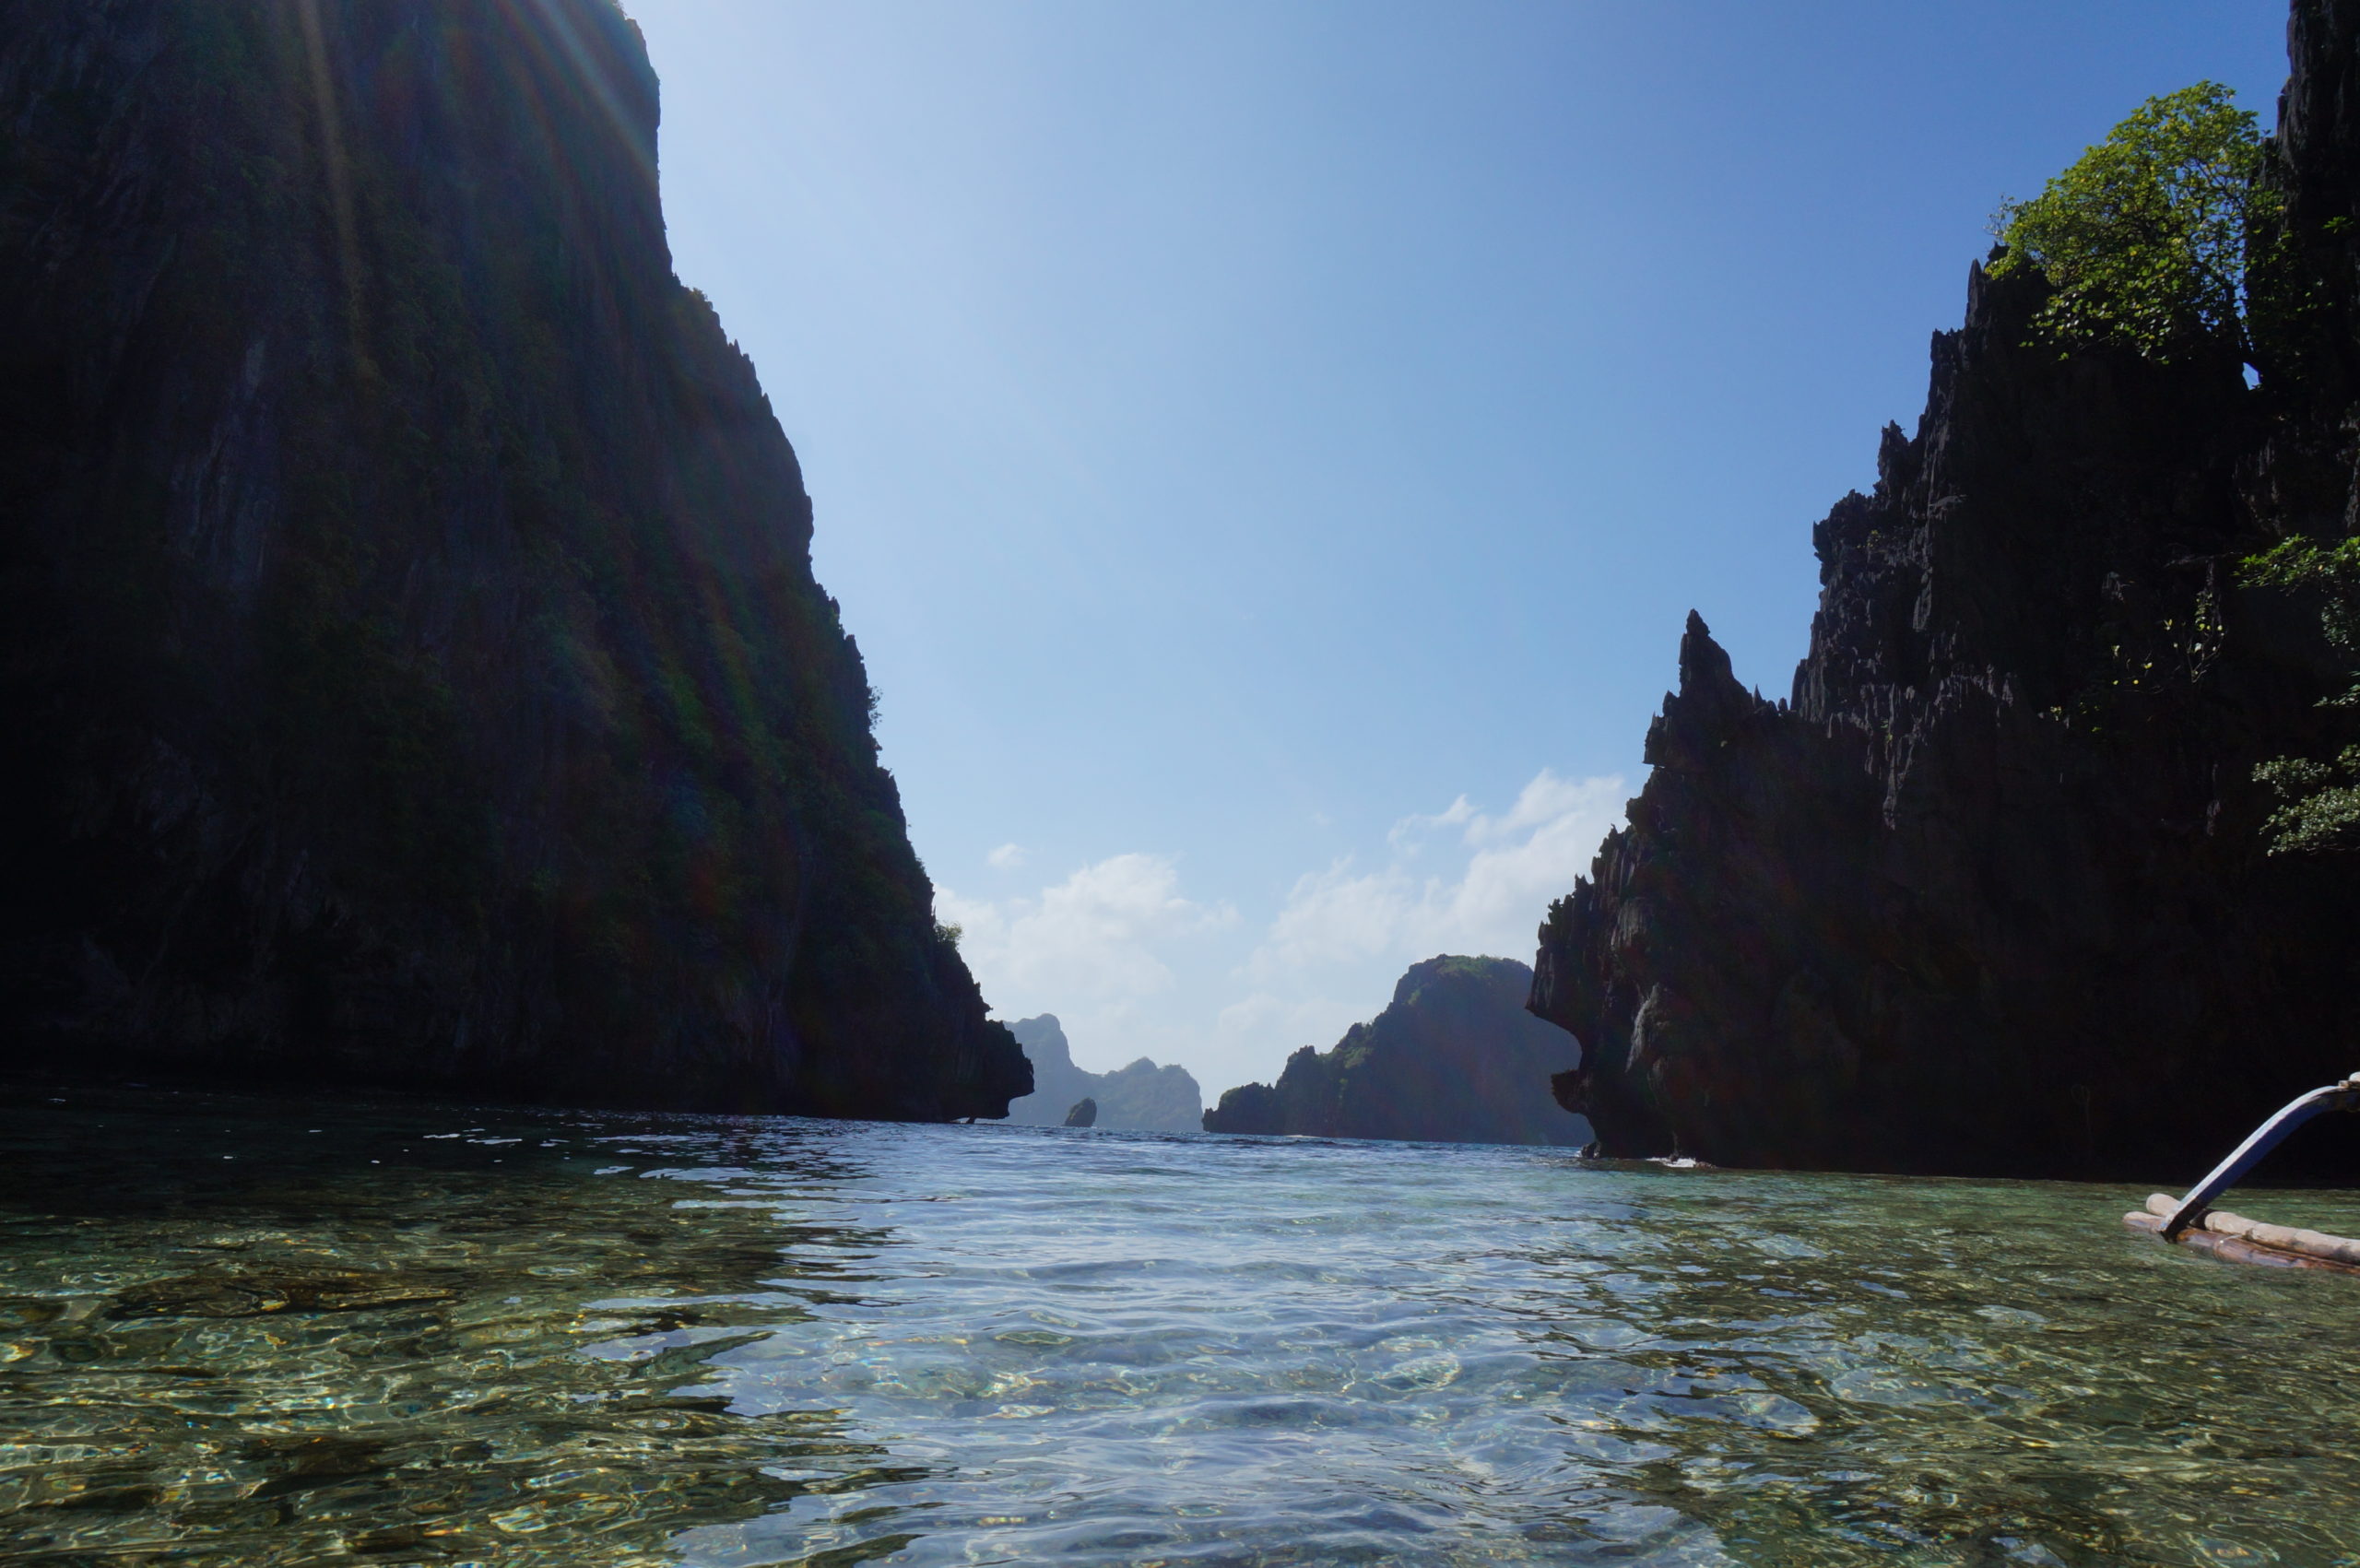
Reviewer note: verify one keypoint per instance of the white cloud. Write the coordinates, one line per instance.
(1092, 938)
(1318, 1019)
(1517, 862)
(1007, 857)
(1405, 831)
(1134, 966)
(1531, 857)
(1547, 802)
(1334, 916)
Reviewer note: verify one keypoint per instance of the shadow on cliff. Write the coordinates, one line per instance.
(414, 672)
(1988, 893)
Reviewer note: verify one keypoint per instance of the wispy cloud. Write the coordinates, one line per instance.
(1007, 857)
(1094, 936)
(1405, 833)
(1516, 862)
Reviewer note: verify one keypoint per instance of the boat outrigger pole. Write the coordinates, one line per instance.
(2345, 1096)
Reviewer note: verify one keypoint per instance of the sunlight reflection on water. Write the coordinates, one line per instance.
(428, 1334)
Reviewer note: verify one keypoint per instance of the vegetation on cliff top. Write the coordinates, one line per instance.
(2148, 237)
(2166, 239)
(2010, 888)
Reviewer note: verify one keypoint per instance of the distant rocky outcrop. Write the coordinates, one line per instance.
(1083, 1115)
(1454, 1059)
(1142, 1097)
(1990, 890)
(1257, 1107)
(1145, 1097)
(410, 661)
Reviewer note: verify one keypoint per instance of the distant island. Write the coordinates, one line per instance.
(1455, 1058)
(1142, 1097)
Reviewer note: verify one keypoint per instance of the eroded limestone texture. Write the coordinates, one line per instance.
(413, 670)
(1988, 893)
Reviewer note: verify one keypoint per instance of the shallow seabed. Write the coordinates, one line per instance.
(285, 1332)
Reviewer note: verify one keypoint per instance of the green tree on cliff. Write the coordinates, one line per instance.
(2319, 803)
(2147, 237)
(2154, 240)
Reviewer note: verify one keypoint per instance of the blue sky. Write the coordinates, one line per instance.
(1266, 451)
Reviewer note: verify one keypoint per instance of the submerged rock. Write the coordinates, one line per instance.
(256, 1294)
(1988, 893)
(413, 669)
(1454, 1059)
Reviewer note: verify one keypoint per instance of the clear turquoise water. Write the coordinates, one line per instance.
(255, 1332)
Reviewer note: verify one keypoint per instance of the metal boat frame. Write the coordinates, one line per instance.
(2193, 1220)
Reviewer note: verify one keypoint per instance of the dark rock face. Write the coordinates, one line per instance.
(1083, 1115)
(1454, 1059)
(1257, 1107)
(1988, 893)
(413, 667)
(1142, 1097)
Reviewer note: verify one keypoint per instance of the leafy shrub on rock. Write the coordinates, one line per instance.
(2148, 236)
(2319, 803)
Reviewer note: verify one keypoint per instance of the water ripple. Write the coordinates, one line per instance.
(257, 1332)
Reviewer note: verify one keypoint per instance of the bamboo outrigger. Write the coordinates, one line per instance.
(2195, 1222)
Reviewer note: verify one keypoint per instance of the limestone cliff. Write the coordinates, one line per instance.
(1142, 1097)
(1989, 891)
(1454, 1060)
(412, 665)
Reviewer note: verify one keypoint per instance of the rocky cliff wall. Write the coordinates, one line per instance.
(1990, 891)
(409, 644)
(1455, 1058)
